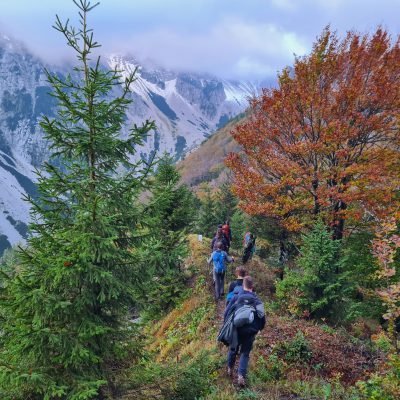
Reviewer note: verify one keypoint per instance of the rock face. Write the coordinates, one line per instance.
(186, 108)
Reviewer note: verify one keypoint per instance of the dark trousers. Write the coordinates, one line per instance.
(245, 346)
(218, 284)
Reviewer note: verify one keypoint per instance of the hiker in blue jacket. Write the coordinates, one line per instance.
(219, 258)
(246, 333)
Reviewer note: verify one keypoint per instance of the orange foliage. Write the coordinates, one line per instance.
(385, 247)
(326, 140)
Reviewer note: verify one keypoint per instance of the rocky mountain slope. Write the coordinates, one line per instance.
(186, 107)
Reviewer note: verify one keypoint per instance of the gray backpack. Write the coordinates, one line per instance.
(244, 315)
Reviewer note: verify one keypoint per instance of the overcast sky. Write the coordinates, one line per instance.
(230, 38)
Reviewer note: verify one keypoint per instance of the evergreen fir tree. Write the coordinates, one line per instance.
(172, 202)
(318, 284)
(207, 221)
(226, 203)
(239, 226)
(65, 312)
(170, 214)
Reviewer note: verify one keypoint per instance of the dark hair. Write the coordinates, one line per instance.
(218, 245)
(248, 282)
(240, 271)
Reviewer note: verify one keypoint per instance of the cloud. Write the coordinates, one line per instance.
(285, 4)
(232, 38)
(233, 47)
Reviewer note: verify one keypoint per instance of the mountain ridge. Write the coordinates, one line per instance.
(186, 107)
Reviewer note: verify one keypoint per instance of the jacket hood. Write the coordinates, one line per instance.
(248, 297)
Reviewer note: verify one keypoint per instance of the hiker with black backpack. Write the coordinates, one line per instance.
(219, 258)
(236, 286)
(250, 249)
(248, 319)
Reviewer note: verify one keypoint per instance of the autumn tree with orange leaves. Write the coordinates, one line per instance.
(325, 143)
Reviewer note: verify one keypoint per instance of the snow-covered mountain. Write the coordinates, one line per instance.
(186, 108)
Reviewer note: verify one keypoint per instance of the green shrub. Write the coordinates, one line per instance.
(322, 390)
(195, 381)
(383, 386)
(185, 380)
(270, 369)
(297, 350)
(247, 394)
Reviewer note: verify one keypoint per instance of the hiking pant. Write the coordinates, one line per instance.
(247, 255)
(218, 283)
(245, 345)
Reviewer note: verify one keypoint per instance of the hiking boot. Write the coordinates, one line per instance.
(241, 381)
(229, 371)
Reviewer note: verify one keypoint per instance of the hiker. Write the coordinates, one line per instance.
(226, 230)
(236, 286)
(246, 239)
(219, 258)
(250, 249)
(219, 237)
(245, 333)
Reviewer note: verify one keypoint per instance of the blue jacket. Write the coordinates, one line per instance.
(225, 258)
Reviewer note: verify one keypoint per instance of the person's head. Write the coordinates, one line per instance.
(219, 245)
(248, 283)
(240, 272)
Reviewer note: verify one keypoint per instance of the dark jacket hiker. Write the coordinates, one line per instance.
(249, 249)
(226, 230)
(219, 237)
(246, 333)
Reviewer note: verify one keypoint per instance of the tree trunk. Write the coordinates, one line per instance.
(282, 259)
(338, 226)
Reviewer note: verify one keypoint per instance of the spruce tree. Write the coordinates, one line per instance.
(170, 213)
(226, 203)
(239, 226)
(317, 286)
(172, 202)
(207, 221)
(65, 313)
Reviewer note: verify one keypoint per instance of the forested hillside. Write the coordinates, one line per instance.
(206, 164)
(279, 237)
